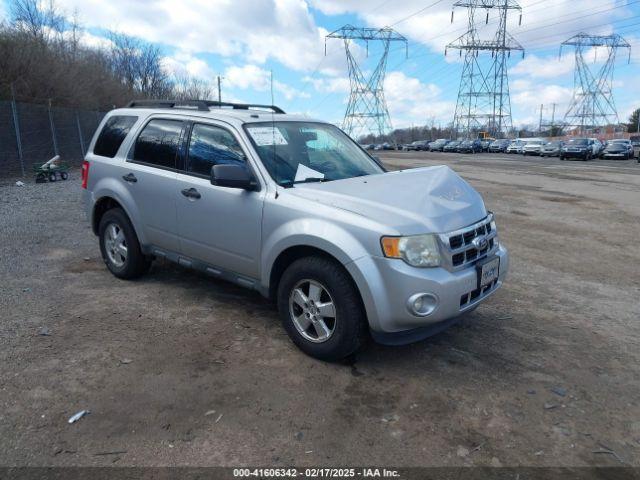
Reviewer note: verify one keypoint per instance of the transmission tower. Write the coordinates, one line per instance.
(483, 97)
(367, 109)
(592, 103)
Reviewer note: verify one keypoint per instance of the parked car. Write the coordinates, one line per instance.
(551, 149)
(598, 147)
(485, 144)
(293, 208)
(582, 148)
(515, 146)
(635, 141)
(384, 146)
(469, 146)
(438, 145)
(499, 146)
(533, 147)
(452, 146)
(618, 149)
(416, 146)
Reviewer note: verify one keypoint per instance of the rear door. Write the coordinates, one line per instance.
(217, 225)
(150, 176)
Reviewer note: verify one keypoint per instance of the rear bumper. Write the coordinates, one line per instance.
(387, 284)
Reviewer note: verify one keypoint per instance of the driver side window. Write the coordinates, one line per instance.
(210, 145)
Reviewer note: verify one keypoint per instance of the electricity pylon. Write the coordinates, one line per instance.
(483, 97)
(592, 103)
(367, 109)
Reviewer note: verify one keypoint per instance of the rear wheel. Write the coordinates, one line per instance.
(321, 309)
(120, 247)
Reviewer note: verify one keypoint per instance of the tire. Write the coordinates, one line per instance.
(135, 263)
(562, 158)
(41, 178)
(346, 332)
(52, 177)
(64, 175)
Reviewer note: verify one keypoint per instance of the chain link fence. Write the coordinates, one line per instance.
(32, 134)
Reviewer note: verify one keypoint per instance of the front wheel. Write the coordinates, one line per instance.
(321, 309)
(120, 247)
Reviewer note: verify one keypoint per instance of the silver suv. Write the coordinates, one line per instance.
(295, 209)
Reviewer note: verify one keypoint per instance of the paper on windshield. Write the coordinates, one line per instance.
(305, 172)
(267, 136)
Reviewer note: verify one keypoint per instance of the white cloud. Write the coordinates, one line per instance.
(329, 85)
(544, 67)
(411, 101)
(185, 63)
(528, 100)
(256, 30)
(258, 79)
(433, 27)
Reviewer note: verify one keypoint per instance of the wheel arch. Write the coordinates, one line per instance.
(289, 255)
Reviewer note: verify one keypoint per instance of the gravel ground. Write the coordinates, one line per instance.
(181, 369)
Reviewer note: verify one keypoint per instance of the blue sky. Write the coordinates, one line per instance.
(243, 40)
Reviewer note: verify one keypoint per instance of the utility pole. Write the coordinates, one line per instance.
(483, 97)
(553, 119)
(540, 122)
(592, 104)
(367, 109)
(219, 89)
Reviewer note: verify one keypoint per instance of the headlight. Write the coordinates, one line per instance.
(416, 250)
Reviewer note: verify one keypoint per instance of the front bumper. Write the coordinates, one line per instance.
(581, 154)
(386, 284)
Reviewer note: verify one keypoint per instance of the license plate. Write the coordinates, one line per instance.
(488, 271)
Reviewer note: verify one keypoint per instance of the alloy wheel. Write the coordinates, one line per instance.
(312, 310)
(115, 245)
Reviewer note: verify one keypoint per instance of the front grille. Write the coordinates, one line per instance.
(459, 248)
(471, 297)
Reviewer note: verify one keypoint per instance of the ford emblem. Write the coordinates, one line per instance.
(480, 243)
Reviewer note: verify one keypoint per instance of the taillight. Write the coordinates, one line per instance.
(85, 173)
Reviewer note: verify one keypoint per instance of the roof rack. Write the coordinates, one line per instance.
(202, 105)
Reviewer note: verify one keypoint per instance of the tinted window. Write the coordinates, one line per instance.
(158, 143)
(112, 135)
(209, 146)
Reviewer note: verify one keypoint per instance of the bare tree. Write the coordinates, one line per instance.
(38, 18)
(186, 87)
(139, 65)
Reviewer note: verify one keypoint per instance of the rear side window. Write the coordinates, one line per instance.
(211, 145)
(158, 143)
(112, 135)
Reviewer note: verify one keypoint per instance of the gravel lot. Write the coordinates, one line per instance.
(180, 369)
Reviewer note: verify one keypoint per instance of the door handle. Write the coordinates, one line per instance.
(191, 193)
(130, 178)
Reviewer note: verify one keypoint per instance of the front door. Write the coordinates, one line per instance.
(217, 225)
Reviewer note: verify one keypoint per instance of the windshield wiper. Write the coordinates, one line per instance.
(309, 180)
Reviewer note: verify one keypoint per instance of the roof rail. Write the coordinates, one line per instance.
(202, 105)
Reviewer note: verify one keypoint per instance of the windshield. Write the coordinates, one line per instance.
(578, 141)
(296, 152)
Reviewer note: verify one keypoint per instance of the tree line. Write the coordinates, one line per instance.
(43, 59)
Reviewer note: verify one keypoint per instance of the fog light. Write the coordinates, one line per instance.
(422, 304)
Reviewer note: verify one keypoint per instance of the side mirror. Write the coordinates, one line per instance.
(233, 176)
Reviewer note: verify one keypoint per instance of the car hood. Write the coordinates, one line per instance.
(421, 200)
